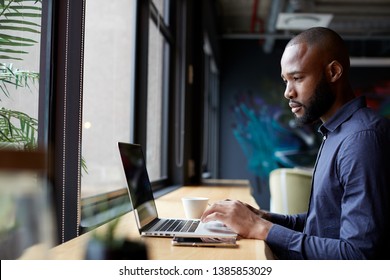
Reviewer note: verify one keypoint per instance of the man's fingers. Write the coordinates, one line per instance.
(213, 216)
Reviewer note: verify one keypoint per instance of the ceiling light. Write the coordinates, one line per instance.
(302, 21)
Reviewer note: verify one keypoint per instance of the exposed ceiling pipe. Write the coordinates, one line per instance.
(345, 24)
(276, 8)
(370, 61)
(289, 35)
(300, 6)
(255, 20)
(254, 15)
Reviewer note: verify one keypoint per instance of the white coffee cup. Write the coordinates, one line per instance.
(194, 206)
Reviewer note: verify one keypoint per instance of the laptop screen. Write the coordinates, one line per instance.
(138, 184)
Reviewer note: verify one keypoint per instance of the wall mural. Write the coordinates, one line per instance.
(269, 138)
(378, 96)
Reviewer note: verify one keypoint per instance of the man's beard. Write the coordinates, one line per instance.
(318, 104)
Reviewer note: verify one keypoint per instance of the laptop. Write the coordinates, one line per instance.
(145, 211)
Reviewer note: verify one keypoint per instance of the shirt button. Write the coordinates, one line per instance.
(324, 138)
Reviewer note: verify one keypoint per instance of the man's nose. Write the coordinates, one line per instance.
(289, 92)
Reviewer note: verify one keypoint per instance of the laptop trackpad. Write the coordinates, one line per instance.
(216, 226)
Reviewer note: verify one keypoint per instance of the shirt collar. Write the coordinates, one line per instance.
(344, 113)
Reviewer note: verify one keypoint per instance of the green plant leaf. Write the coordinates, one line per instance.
(24, 135)
(16, 28)
(16, 38)
(17, 17)
(14, 15)
(15, 7)
(15, 77)
(9, 57)
(18, 22)
(12, 51)
(30, 15)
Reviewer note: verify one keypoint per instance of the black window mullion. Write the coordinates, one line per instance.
(45, 100)
(141, 72)
(178, 76)
(159, 21)
(64, 40)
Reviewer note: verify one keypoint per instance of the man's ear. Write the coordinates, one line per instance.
(334, 71)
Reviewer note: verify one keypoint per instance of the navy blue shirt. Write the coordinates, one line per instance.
(349, 209)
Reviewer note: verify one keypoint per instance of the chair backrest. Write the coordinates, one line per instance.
(290, 190)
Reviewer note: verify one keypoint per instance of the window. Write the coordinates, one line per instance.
(211, 116)
(108, 106)
(116, 71)
(157, 92)
(107, 92)
(19, 73)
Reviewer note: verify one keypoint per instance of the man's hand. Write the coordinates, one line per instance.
(242, 218)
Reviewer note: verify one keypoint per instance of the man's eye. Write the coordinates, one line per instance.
(297, 78)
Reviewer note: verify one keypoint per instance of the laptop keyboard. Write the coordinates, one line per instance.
(179, 225)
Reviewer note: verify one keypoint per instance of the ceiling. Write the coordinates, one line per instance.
(364, 24)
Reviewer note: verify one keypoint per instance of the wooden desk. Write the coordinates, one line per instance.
(160, 248)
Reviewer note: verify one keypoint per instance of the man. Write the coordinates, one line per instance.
(349, 213)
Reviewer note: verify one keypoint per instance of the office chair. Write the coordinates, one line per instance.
(290, 190)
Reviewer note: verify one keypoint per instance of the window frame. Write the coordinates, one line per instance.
(146, 11)
(60, 113)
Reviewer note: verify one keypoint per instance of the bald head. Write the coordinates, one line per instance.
(314, 67)
(328, 43)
